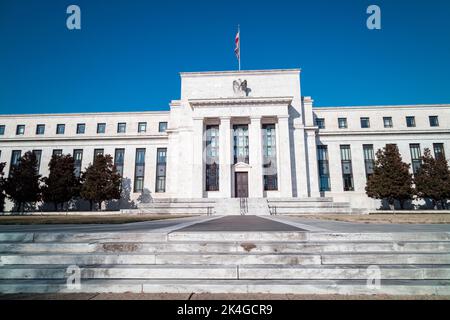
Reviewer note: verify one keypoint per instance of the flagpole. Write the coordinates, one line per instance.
(239, 31)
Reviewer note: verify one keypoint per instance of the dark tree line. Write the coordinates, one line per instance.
(392, 180)
(100, 182)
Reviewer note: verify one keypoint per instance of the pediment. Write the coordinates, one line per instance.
(241, 166)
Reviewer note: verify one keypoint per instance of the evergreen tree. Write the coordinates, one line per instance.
(23, 186)
(433, 179)
(2, 187)
(61, 185)
(100, 181)
(391, 179)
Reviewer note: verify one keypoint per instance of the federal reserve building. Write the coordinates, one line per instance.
(236, 140)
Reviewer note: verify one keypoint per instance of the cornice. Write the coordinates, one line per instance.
(239, 73)
(225, 102)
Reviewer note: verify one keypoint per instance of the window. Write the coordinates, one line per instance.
(416, 157)
(270, 175)
(119, 156)
(57, 152)
(212, 158)
(15, 159)
(240, 135)
(101, 127)
(139, 170)
(434, 121)
(320, 122)
(410, 122)
(347, 170)
(98, 152)
(81, 128)
(38, 155)
(342, 122)
(162, 126)
(438, 150)
(142, 127)
(78, 159)
(369, 159)
(121, 127)
(365, 123)
(2, 129)
(40, 129)
(20, 129)
(324, 172)
(60, 128)
(387, 122)
(161, 169)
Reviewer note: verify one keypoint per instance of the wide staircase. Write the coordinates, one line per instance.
(252, 206)
(227, 262)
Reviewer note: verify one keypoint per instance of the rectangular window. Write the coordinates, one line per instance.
(101, 127)
(438, 150)
(342, 122)
(387, 122)
(40, 129)
(162, 126)
(369, 159)
(2, 130)
(142, 127)
(270, 173)
(212, 158)
(347, 169)
(20, 129)
(324, 171)
(38, 155)
(78, 159)
(434, 121)
(411, 122)
(320, 122)
(161, 158)
(365, 123)
(15, 159)
(121, 127)
(416, 157)
(119, 159)
(57, 152)
(81, 128)
(60, 128)
(240, 135)
(98, 152)
(139, 170)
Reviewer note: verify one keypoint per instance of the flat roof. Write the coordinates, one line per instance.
(239, 72)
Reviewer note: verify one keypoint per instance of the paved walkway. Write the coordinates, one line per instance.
(240, 223)
(232, 223)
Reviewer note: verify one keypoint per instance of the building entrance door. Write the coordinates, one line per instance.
(241, 185)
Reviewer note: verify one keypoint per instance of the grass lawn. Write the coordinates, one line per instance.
(429, 218)
(74, 219)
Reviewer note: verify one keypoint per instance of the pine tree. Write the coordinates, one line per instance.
(391, 179)
(23, 186)
(433, 179)
(2, 187)
(61, 185)
(100, 181)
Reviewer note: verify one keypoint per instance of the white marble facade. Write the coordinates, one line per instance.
(257, 103)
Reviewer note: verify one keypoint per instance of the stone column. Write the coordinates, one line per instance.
(255, 178)
(198, 173)
(284, 164)
(225, 157)
(314, 190)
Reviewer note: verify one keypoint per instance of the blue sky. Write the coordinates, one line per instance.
(128, 54)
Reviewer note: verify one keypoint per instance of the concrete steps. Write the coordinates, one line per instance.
(241, 262)
(226, 247)
(232, 272)
(320, 287)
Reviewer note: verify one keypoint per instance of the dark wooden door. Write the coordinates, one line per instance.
(241, 185)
